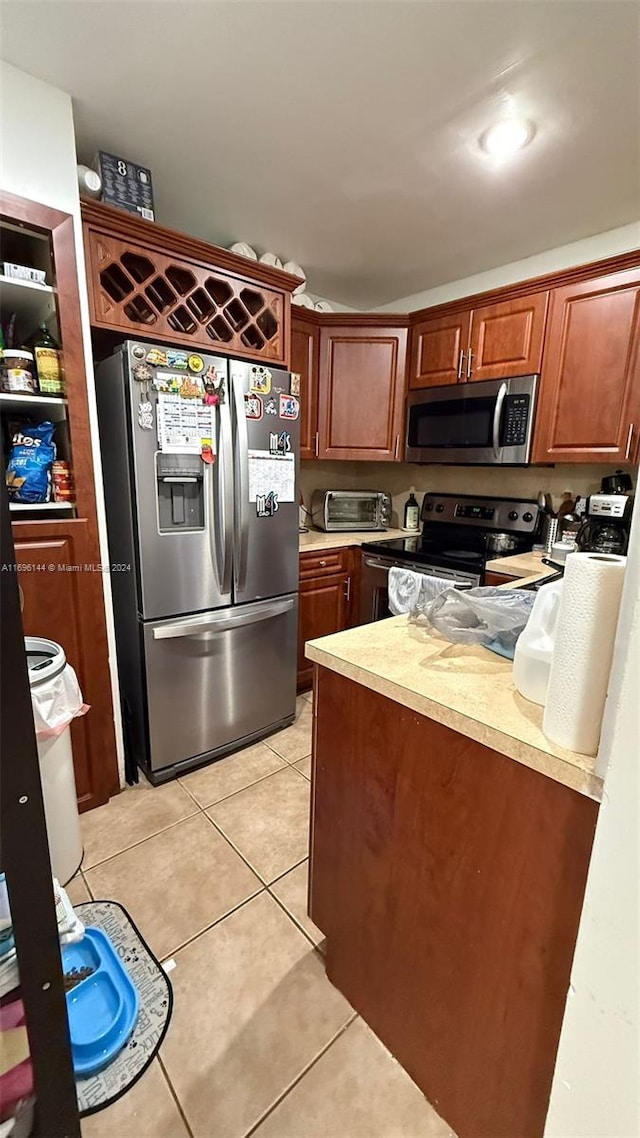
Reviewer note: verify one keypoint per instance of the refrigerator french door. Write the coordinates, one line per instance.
(203, 542)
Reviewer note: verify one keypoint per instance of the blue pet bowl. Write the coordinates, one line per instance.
(103, 1008)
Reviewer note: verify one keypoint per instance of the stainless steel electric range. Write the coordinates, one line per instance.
(459, 534)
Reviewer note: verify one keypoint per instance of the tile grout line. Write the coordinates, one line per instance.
(174, 1095)
(245, 860)
(300, 1077)
(185, 944)
(134, 845)
(232, 793)
(291, 917)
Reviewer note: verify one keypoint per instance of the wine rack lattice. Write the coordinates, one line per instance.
(143, 291)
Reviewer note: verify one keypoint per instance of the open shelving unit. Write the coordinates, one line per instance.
(27, 304)
(67, 605)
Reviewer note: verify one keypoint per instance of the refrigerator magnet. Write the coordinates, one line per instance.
(145, 416)
(259, 380)
(253, 406)
(157, 358)
(279, 443)
(179, 360)
(196, 363)
(142, 373)
(137, 352)
(266, 504)
(289, 407)
(294, 386)
(207, 451)
(271, 407)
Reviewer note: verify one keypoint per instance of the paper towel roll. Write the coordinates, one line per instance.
(583, 649)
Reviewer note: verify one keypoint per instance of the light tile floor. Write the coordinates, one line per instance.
(213, 869)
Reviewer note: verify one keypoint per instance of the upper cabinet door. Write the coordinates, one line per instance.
(589, 406)
(506, 339)
(439, 350)
(305, 348)
(361, 392)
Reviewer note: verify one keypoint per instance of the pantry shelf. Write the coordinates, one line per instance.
(34, 303)
(49, 403)
(22, 507)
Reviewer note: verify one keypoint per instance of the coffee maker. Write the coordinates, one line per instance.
(607, 517)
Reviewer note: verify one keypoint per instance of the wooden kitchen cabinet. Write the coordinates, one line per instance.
(361, 390)
(56, 543)
(62, 600)
(147, 280)
(495, 341)
(325, 600)
(589, 403)
(448, 880)
(438, 348)
(305, 349)
(506, 338)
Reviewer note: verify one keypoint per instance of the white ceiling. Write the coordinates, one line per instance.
(343, 135)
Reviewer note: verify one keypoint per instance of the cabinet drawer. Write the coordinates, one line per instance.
(323, 562)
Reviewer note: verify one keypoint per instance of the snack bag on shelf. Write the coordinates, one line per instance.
(28, 474)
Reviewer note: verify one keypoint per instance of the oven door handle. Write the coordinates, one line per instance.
(373, 563)
(497, 416)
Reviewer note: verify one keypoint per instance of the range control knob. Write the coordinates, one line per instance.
(528, 517)
(439, 508)
(428, 507)
(513, 515)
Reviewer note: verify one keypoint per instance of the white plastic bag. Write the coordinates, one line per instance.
(56, 702)
(491, 617)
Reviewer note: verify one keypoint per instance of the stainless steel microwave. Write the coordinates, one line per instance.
(350, 509)
(484, 424)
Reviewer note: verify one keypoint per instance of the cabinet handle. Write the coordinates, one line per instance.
(469, 359)
(347, 589)
(629, 441)
(315, 444)
(460, 363)
(396, 448)
(322, 564)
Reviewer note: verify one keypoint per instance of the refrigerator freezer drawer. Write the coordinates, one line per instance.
(217, 677)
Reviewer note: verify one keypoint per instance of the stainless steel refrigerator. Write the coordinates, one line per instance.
(200, 459)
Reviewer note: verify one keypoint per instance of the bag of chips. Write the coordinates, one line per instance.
(33, 452)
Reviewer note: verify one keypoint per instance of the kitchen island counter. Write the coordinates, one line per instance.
(465, 687)
(450, 844)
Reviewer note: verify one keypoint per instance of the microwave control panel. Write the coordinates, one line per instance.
(515, 420)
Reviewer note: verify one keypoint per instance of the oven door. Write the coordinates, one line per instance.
(374, 583)
(486, 424)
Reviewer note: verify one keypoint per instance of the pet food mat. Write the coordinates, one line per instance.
(156, 1002)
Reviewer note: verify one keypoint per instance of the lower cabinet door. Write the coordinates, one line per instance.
(63, 601)
(323, 609)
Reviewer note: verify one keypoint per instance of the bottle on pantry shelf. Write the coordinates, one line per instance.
(411, 511)
(48, 364)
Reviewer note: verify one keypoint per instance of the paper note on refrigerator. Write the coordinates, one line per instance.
(269, 472)
(183, 424)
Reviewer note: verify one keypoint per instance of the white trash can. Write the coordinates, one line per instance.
(56, 700)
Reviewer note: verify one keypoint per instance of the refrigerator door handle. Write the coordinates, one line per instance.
(223, 622)
(221, 532)
(242, 486)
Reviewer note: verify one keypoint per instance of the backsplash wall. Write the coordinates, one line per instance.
(396, 478)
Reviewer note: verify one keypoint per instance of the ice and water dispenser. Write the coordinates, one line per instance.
(180, 489)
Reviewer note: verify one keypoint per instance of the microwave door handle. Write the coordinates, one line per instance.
(497, 417)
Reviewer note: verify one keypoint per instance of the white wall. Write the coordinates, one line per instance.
(596, 1088)
(38, 161)
(594, 248)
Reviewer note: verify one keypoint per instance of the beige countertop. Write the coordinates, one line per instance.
(317, 539)
(518, 565)
(465, 687)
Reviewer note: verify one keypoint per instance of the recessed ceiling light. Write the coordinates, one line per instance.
(506, 136)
